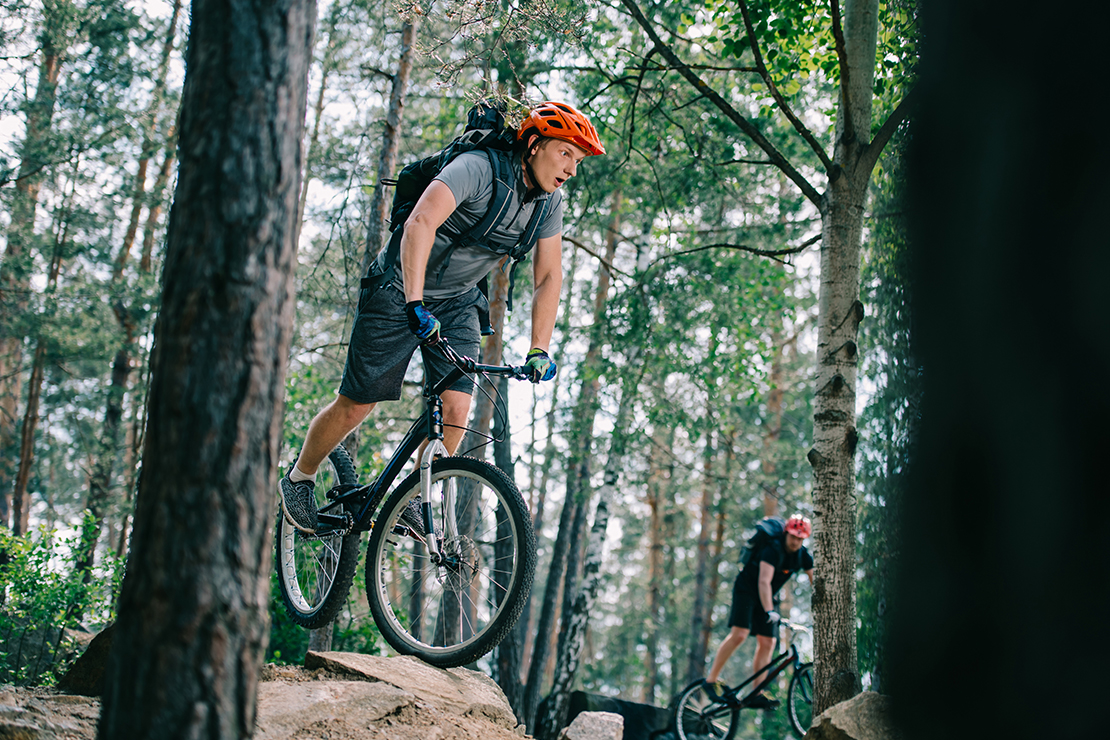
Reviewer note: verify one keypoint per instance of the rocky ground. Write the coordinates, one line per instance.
(336, 696)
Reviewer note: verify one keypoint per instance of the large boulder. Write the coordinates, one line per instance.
(458, 691)
(865, 716)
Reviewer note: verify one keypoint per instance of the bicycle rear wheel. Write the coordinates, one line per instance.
(455, 612)
(799, 699)
(315, 572)
(697, 717)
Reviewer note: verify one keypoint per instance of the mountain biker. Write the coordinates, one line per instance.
(435, 290)
(754, 606)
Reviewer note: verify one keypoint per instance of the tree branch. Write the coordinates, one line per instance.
(779, 99)
(870, 154)
(731, 113)
(773, 253)
(606, 263)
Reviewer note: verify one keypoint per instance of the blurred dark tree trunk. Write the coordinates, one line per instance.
(195, 599)
(1013, 344)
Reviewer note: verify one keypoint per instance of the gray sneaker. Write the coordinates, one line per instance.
(412, 517)
(298, 502)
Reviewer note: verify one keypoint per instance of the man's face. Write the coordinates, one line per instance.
(793, 542)
(554, 161)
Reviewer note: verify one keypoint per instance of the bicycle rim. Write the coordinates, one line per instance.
(697, 717)
(315, 573)
(800, 699)
(453, 613)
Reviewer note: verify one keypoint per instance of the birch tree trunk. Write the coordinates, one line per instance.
(195, 599)
(578, 469)
(836, 674)
(841, 206)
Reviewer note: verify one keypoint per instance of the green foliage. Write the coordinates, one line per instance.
(889, 422)
(42, 593)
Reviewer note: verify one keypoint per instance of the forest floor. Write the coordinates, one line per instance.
(403, 699)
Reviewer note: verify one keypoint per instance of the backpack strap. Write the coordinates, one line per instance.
(500, 201)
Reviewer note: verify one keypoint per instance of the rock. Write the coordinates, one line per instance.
(865, 716)
(641, 721)
(286, 709)
(594, 726)
(18, 730)
(455, 690)
(86, 676)
(343, 697)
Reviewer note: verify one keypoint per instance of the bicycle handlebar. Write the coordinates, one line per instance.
(469, 365)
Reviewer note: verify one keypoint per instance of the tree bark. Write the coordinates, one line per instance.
(195, 598)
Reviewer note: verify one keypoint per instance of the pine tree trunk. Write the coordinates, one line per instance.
(696, 667)
(655, 577)
(16, 266)
(391, 142)
(195, 599)
(149, 146)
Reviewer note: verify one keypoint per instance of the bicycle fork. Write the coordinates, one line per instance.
(434, 449)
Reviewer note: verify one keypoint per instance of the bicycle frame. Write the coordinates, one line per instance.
(778, 664)
(365, 499)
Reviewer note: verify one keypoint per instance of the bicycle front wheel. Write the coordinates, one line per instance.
(315, 572)
(697, 717)
(800, 699)
(454, 612)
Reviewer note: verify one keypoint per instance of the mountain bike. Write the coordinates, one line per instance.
(697, 717)
(448, 594)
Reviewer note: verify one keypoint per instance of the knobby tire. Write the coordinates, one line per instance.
(697, 717)
(454, 613)
(799, 699)
(315, 573)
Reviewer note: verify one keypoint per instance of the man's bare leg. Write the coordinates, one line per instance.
(764, 646)
(328, 429)
(736, 635)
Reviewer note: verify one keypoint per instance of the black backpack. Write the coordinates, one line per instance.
(769, 528)
(485, 131)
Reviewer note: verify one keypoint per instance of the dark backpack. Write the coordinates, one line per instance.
(769, 528)
(485, 131)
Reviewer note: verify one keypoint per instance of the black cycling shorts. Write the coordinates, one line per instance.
(748, 613)
(382, 345)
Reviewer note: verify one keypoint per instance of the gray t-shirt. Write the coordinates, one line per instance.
(470, 178)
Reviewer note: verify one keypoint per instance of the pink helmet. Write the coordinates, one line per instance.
(799, 526)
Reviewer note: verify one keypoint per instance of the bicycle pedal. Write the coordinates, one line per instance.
(341, 489)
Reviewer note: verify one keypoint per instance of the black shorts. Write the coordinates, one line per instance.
(382, 345)
(748, 613)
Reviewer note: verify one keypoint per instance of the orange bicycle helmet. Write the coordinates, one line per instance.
(561, 121)
(799, 526)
